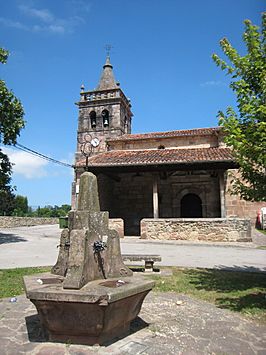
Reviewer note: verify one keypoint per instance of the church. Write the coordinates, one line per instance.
(166, 185)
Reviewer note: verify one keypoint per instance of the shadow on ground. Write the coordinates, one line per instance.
(243, 268)
(6, 238)
(246, 291)
(37, 334)
(238, 304)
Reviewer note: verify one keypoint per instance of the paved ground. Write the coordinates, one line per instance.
(163, 327)
(36, 246)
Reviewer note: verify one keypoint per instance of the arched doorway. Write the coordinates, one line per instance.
(191, 206)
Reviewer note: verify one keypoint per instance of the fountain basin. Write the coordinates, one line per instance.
(95, 314)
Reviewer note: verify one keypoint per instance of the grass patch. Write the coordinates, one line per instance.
(242, 292)
(11, 280)
(263, 231)
(237, 291)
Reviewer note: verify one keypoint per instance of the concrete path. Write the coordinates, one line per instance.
(169, 323)
(37, 246)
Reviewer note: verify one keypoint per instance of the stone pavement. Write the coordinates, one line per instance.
(169, 323)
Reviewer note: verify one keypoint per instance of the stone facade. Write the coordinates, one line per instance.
(132, 194)
(167, 142)
(175, 174)
(116, 126)
(104, 113)
(238, 207)
(10, 222)
(118, 225)
(211, 229)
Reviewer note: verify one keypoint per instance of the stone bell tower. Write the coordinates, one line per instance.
(103, 113)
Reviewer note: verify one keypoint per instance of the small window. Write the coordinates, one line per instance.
(125, 124)
(161, 147)
(105, 116)
(93, 119)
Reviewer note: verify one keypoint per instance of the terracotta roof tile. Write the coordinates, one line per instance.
(159, 156)
(179, 133)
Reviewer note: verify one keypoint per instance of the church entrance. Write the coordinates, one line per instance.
(191, 206)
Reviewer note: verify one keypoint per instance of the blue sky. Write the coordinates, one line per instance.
(161, 56)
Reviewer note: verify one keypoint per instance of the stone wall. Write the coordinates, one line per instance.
(167, 142)
(118, 225)
(235, 207)
(200, 229)
(10, 222)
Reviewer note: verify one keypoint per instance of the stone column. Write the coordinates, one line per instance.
(222, 194)
(155, 197)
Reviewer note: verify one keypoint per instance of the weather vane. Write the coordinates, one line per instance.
(108, 48)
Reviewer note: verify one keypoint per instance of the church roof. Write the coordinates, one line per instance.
(107, 80)
(159, 156)
(178, 133)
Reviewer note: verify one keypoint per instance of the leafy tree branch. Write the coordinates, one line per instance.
(245, 130)
(11, 122)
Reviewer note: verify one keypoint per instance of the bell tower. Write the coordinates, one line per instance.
(103, 113)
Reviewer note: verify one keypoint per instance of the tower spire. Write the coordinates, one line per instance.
(107, 80)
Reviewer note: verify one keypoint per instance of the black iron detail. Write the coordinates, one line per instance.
(99, 246)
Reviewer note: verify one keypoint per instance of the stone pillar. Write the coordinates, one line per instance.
(73, 195)
(222, 194)
(155, 197)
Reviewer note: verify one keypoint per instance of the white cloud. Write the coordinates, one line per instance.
(43, 20)
(212, 83)
(82, 5)
(42, 14)
(13, 24)
(27, 165)
(47, 22)
(51, 28)
(70, 159)
(57, 28)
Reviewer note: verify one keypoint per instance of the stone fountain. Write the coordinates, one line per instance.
(90, 296)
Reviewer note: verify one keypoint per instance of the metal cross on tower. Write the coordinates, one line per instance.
(108, 48)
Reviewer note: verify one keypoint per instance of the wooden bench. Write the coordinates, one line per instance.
(148, 259)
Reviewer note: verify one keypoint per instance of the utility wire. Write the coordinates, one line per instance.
(40, 155)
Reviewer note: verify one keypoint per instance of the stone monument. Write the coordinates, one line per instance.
(90, 296)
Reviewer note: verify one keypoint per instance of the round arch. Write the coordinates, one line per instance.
(191, 206)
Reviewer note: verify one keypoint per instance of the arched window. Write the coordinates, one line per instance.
(161, 147)
(105, 116)
(191, 206)
(93, 119)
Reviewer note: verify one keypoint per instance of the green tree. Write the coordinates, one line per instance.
(20, 206)
(52, 211)
(245, 131)
(6, 191)
(11, 122)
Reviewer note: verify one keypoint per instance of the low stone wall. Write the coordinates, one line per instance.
(198, 229)
(10, 222)
(118, 225)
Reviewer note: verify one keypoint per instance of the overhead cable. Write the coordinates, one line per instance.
(42, 156)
